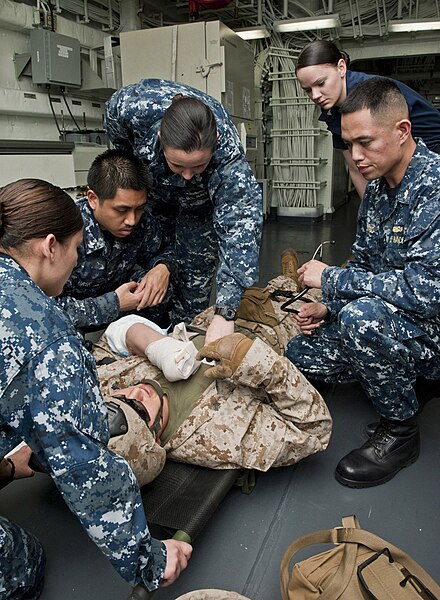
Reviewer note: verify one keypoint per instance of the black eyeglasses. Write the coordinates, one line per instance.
(142, 410)
(317, 255)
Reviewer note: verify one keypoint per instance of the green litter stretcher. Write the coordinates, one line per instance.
(182, 499)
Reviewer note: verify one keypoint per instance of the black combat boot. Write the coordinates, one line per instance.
(425, 389)
(139, 593)
(392, 446)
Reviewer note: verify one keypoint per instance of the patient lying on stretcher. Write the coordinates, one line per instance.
(251, 409)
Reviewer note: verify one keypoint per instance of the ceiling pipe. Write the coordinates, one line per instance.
(194, 5)
(378, 18)
(359, 18)
(129, 16)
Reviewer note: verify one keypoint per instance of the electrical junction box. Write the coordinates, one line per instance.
(56, 59)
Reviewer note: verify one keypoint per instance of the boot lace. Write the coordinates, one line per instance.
(380, 438)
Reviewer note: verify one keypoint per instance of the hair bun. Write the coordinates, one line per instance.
(178, 97)
(346, 57)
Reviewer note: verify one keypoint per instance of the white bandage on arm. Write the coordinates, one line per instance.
(175, 356)
(116, 332)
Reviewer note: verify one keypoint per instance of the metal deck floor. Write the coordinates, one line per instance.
(242, 545)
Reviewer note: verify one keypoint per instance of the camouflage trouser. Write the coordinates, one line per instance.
(371, 343)
(196, 253)
(22, 562)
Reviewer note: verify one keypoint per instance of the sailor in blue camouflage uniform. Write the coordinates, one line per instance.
(50, 396)
(123, 265)
(204, 191)
(379, 320)
(22, 557)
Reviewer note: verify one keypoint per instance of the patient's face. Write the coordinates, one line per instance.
(147, 395)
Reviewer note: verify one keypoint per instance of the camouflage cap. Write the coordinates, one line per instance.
(212, 595)
(138, 446)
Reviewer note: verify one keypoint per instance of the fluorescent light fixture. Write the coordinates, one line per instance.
(414, 25)
(323, 22)
(253, 33)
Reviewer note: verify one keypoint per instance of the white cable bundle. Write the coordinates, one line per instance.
(293, 135)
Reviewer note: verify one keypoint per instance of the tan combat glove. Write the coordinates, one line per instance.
(229, 351)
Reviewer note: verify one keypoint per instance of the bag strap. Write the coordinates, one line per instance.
(324, 536)
(260, 331)
(347, 567)
(351, 536)
(374, 542)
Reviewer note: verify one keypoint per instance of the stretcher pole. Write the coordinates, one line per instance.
(139, 591)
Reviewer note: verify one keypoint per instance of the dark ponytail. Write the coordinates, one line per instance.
(320, 52)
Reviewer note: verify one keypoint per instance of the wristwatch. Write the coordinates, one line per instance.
(226, 312)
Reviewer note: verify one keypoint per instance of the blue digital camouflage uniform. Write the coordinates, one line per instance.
(216, 213)
(22, 562)
(50, 398)
(106, 262)
(385, 323)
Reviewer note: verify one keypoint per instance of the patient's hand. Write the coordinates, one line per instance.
(178, 555)
(229, 351)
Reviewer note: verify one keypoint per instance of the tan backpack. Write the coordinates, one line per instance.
(360, 566)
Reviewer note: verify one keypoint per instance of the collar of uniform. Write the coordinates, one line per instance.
(93, 235)
(413, 173)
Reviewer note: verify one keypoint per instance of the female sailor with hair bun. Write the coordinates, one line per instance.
(50, 399)
(323, 73)
(204, 192)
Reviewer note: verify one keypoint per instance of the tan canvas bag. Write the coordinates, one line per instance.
(361, 565)
(256, 305)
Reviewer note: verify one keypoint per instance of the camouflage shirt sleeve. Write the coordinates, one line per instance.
(154, 248)
(286, 386)
(68, 431)
(90, 312)
(396, 246)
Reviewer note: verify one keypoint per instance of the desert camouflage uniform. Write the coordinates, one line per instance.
(385, 305)
(279, 326)
(221, 206)
(106, 262)
(50, 399)
(266, 415)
